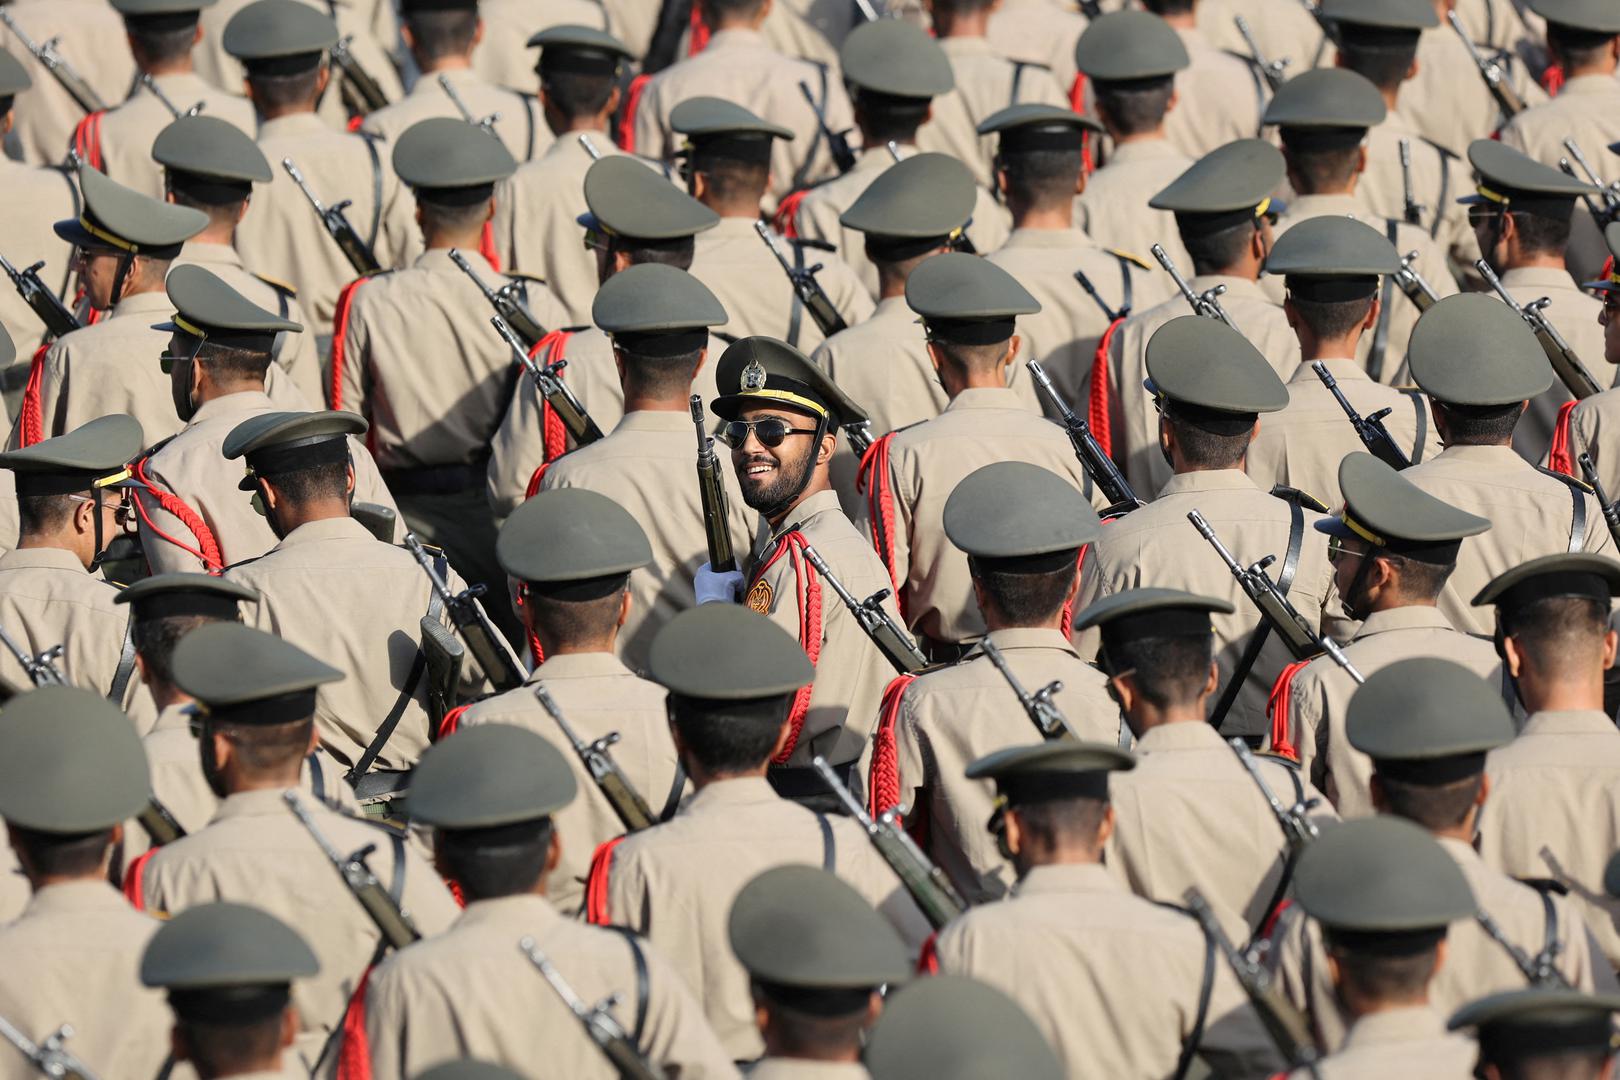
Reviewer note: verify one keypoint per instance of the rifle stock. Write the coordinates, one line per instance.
(356, 250)
(1496, 79)
(1565, 364)
(393, 924)
(597, 757)
(889, 636)
(83, 95)
(1370, 430)
(1098, 465)
(805, 286)
(362, 94)
(1040, 707)
(496, 661)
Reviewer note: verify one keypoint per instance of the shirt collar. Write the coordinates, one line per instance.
(335, 528)
(245, 401)
(1343, 369)
(1588, 84)
(41, 558)
(533, 912)
(1501, 456)
(66, 897)
(1069, 239)
(655, 420)
(966, 46)
(986, 397)
(743, 791)
(262, 802)
(1180, 735)
(1538, 277)
(1028, 637)
(1569, 722)
(303, 123)
(1067, 878)
(821, 502)
(1235, 286)
(202, 253)
(590, 665)
(143, 304)
(1331, 204)
(1413, 1023)
(1412, 617)
(1144, 150)
(1208, 480)
(736, 37)
(438, 259)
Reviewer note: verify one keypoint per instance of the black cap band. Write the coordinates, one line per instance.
(816, 1000)
(1386, 943)
(1201, 224)
(1563, 584)
(1331, 290)
(896, 249)
(580, 589)
(273, 461)
(456, 197)
(574, 60)
(34, 484)
(660, 344)
(1362, 36)
(971, 331)
(1025, 788)
(1432, 772)
(186, 604)
(1214, 421)
(230, 1005)
(1502, 1041)
(1046, 562)
(750, 148)
(162, 22)
(1030, 138)
(271, 67)
(282, 709)
(1322, 140)
(1164, 622)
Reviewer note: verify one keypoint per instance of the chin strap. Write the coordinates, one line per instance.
(779, 511)
(101, 550)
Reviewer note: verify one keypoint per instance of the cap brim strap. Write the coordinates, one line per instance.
(1361, 530)
(104, 236)
(798, 401)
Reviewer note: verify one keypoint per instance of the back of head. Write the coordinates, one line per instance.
(440, 29)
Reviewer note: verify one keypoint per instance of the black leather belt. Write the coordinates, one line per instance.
(803, 784)
(436, 479)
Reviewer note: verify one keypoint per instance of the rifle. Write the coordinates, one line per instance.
(396, 927)
(51, 1057)
(590, 147)
(1206, 305)
(1039, 706)
(548, 381)
(1571, 372)
(174, 110)
(1414, 209)
(805, 286)
(1611, 198)
(379, 520)
(52, 312)
(889, 636)
(1370, 430)
(159, 823)
(484, 641)
(357, 251)
(1270, 70)
(837, 141)
(508, 302)
(1496, 79)
(867, 11)
(1287, 1027)
(361, 93)
(1415, 285)
(597, 757)
(41, 669)
(926, 882)
(1091, 290)
(605, 1031)
(894, 151)
(1098, 465)
(1298, 829)
(674, 18)
(444, 655)
(712, 490)
(1091, 9)
(487, 123)
(83, 95)
(1611, 512)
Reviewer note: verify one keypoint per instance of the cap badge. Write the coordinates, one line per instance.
(753, 376)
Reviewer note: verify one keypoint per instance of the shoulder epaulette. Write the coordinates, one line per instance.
(814, 245)
(1304, 499)
(1577, 484)
(1129, 257)
(282, 287)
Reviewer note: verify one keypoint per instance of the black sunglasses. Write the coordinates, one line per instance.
(772, 432)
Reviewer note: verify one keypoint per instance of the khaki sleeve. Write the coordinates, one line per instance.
(406, 1031)
(515, 451)
(910, 754)
(649, 124)
(677, 1035)
(162, 534)
(426, 898)
(356, 356)
(53, 389)
(299, 358)
(902, 481)
(861, 866)
(629, 893)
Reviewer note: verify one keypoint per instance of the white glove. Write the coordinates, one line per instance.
(717, 587)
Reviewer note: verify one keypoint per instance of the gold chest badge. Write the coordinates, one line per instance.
(760, 597)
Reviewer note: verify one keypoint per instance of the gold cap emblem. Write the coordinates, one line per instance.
(753, 376)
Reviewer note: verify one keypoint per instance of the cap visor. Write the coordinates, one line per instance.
(1335, 527)
(75, 234)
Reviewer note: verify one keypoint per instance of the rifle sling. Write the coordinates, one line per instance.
(407, 694)
(643, 985)
(126, 666)
(1386, 299)
(1127, 288)
(1422, 415)
(1257, 640)
(1577, 495)
(796, 315)
(1445, 191)
(1206, 991)
(829, 844)
(822, 131)
(676, 786)
(376, 190)
(1289, 861)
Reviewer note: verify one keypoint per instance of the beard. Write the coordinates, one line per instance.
(778, 484)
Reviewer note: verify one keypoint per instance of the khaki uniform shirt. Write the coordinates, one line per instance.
(1114, 210)
(986, 83)
(128, 131)
(74, 957)
(1072, 945)
(36, 199)
(646, 466)
(282, 235)
(1591, 430)
(1587, 109)
(775, 1068)
(882, 364)
(1575, 315)
(1039, 32)
(520, 125)
(1406, 1041)
(504, 58)
(1220, 98)
(745, 277)
(1438, 179)
(1133, 419)
(952, 717)
(255, 852)
(1554, 811)
(1158, 546)
(675, 883)
(339, 593)
(92, 40)
(424, 415)
(15, 892)
(598, 696)
(1302, 445)
(740, 65)
(1448, 100)
(1284, 31)
(1530, 515)
(1190, 814)
(1321, 695)
(193, 466)
(470, 993)
(978, 427)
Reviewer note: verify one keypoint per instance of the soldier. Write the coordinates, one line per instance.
(1449, 102)
(89, 36)
(72, 771)
(536, 208)
(1331, 267)
(731, 677)
(969, 307)
(256, 694)
(818, 990)
(1211, 386)
(1479, 364)
(229, 970)
(124, 243)
(491, 795)
(1582, 429)
(1130, 60)
(441, 36)
(1552, 812)
(118, 142)
(738, 63)
(1219, 97)
(1285, 31)
(49, 594)
(1392, 547)
(1524, 1031)
(727, 165)
(1040, 34)
(1322, 118)
(282, 44)
(1225, 213)
(658, 318)
(337, 591)
(895, 72)
(1177, 813)
(1039, 165)
(1581, 38)
(510, 26)
(633, 217)
(1427, 725)
(574, 555)
(1384, 946)
(954, 1028)
(1023, 529)
(1071, 939)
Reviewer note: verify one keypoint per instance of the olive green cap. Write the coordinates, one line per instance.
(1013, 510)
(1507, 178)
(804, 928)
(490, 774)
(92, 456)
(1381, 875)
(1471, 349)
(70, 762)
(281, 442)
(446, 154)
(188, 595)
(1031, 126)
(1205, 364)
(923, 197)
(219, 945)
(1225, 187)
(119, 218)
(571, 46)
(1594, 16)
(725, 652)
(702, 117)
(1397, 15)
(1146, 614)
(14, 78)
(656, 299)
(159, 7)
(891, 56)
(469, 1070)
(1052, 771)
(1611, 239)
(1425, 709)
(1126, 45)
(230, 669)
(1332, 258)
(1539, 1021)
(1327, 98)
(1577, 574)
(626, 198)
(1387, 510)
(209, 147)
(272, 29)
(950, 1027)
(204, 306)
(765, 372)
(571, 535)
(966, 300)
